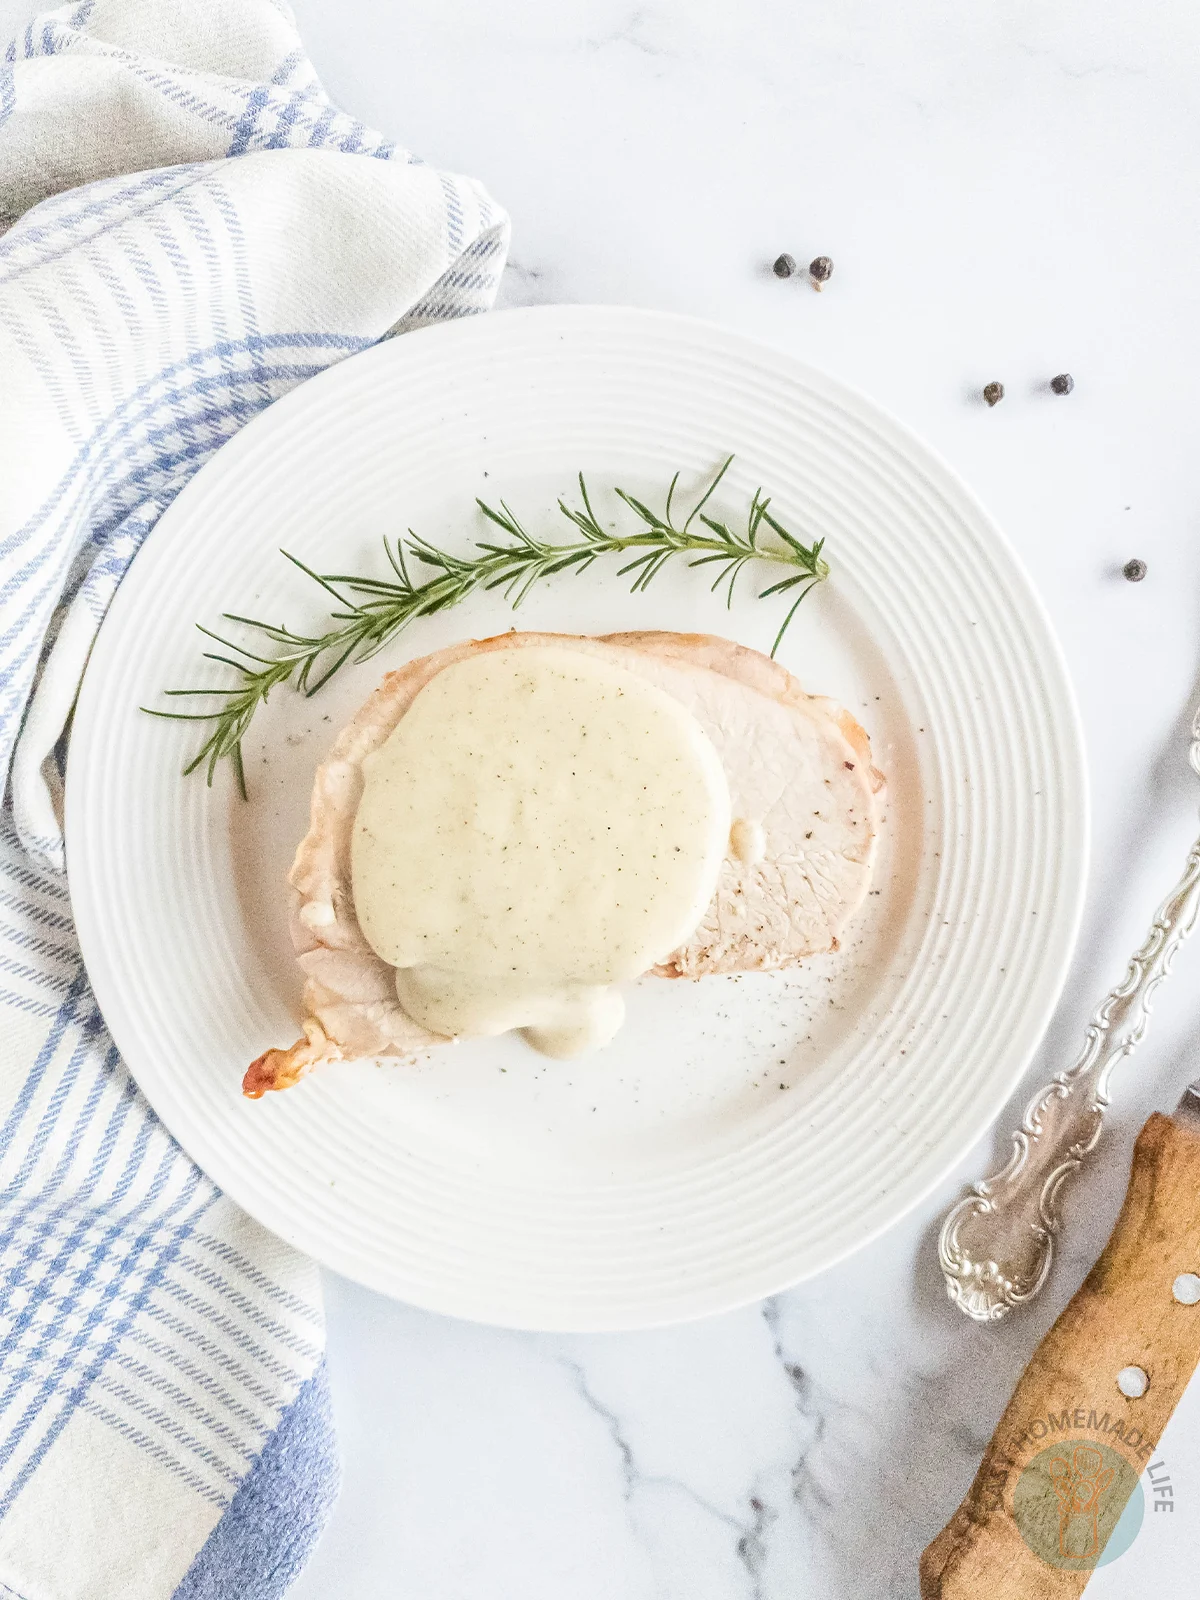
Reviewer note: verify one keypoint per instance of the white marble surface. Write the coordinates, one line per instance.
(1008, 192)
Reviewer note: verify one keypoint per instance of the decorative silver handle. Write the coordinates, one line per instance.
(997, 1242)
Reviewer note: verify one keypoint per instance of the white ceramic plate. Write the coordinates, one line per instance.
(739, 1134)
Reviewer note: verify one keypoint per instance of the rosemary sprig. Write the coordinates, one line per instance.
(370, 612)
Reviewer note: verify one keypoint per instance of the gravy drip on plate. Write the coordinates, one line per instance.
(540, 826)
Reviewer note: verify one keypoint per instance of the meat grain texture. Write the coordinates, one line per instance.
(797, 764)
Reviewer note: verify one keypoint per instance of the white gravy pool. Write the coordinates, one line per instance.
(540, 826)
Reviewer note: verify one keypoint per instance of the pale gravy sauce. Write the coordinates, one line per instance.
(540, 826)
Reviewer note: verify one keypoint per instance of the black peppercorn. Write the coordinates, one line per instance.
(1063, 384)
(1135, 571)
(784, 266)
(820, 270)
(993, 393)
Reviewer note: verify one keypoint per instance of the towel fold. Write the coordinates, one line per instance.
(188, 229)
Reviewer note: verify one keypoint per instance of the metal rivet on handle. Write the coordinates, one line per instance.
(1132, 1382)
(1186, 1289)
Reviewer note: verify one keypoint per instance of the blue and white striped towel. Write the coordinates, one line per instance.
(164, 1420)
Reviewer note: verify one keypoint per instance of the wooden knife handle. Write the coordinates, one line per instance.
(1071, 1446)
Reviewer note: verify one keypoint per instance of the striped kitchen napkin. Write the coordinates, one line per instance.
(188, 229)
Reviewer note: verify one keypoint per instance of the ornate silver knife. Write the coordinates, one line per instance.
(997, 1242)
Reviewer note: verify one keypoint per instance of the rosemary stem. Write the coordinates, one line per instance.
(373, 611)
